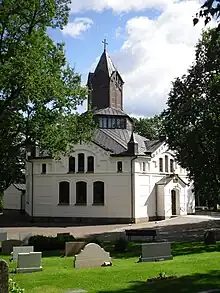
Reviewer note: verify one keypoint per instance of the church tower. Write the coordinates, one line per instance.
(105, 84)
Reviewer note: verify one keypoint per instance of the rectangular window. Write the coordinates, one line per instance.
(171, 166)
(119, 166)
(44, 169)
(161, 165)
(166, 164)
(144, 166)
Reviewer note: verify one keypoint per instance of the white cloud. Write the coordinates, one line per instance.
(118, 5)
(154, 53)
(77, 27)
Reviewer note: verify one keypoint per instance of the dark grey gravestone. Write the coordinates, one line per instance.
(3, 276)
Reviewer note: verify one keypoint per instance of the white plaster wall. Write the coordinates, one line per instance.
(117, 196)
(12, 198)
(117, 185)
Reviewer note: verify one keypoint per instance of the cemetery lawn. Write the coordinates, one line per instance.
(197, 270)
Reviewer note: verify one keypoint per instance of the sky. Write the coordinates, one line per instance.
(151, 42)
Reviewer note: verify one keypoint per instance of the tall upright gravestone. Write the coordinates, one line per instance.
(3, 276)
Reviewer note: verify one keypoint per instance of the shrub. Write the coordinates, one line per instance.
(95, 240)
(121, 245)
(45, 243)
(14, 288)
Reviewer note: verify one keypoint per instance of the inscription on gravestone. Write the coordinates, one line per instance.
(3, 276)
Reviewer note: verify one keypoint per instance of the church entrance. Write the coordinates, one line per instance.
(173, 202)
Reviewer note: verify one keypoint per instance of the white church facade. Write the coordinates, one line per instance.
(120, 177)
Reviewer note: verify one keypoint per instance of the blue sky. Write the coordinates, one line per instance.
(150, 41)
(83, 50)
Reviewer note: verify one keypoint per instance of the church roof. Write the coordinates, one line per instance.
(116, 140)
(110, 111)
(166, 179)
(105, 64)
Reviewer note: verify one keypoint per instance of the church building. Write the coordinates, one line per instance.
(120, 177)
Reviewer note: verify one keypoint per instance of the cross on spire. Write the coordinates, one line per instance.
(105, 44)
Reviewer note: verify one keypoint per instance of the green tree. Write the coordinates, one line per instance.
(148, 127)
(210, 9)
(39, 91)
(191, 121)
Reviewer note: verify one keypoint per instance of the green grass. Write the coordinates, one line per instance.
(196, 270)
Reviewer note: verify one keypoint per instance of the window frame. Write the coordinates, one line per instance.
(82, 155)
(74, 160)
(84, 201)
(95, 201)
(119, 168)
(161, 165)
(90, 170)
(66, 203)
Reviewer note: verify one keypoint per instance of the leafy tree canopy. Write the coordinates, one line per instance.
(148, 127)
(191, 120)
(210, 9)
(39, 91)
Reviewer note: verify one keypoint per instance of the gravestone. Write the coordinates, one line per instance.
(24, 237)
(73, 248)
(91, 256)
(7, 245)
(29, 262)
(21, 249)
(158, 251)
(210, 237)
(3, 236)
(3, 276)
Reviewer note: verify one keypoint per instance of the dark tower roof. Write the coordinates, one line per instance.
(106, 65)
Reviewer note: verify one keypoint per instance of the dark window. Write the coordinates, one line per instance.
(44, 169)
(71, 164)
(171, 165)
(81, 193)
(112, 123)
(90, 164)
(119, 166)
(144, 166)
(81, 163)
(64, 193)
(98, 193)
(161, 165)
(166, 164)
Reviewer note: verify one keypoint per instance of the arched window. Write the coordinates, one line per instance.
(90, 164)
(171, 165)
(71, 164)
(119, 166)
(144, 166)
(166, 164)
(98, 193)
(81, 163)
(64, 193)
(161, 165)
(81, 193)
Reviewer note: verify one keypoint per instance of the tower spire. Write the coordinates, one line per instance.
(105, 44)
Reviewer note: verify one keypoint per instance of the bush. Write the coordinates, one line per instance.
(14, 288)
(95, 240)
(121, 245)
(45, 243)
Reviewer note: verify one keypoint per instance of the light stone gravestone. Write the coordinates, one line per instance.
(7, 245)
(24, 237)
(21, 249)
(73, 248)
(158, 251)
(91, 256)
(29, 262)
(3, 276)
(3, 236)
